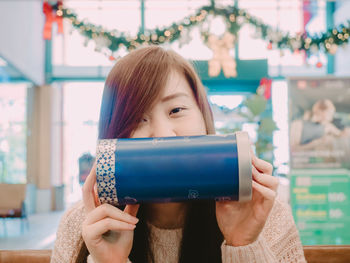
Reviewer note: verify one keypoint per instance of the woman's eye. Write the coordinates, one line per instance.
(176, 110)
(142, 120)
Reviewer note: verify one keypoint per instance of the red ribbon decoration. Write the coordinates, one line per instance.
(266, 83)
(51, 17)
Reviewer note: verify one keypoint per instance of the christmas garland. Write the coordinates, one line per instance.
(234, 17)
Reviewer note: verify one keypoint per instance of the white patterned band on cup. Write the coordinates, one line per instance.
(105, 171)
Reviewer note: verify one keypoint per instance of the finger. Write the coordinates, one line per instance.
(97, 229)
(261, 165)
(131, 209)
(264, 191)
(96, 197)
(109, 211)
(88, 190)
(265, 179)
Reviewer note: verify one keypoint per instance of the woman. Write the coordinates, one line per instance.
(316, 128)
(156, 93)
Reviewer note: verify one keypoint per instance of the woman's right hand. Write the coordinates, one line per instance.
(107, 231)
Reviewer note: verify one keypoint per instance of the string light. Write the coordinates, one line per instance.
(167, 33)
(154, 37)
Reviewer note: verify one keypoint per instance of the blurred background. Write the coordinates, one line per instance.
(270, 67)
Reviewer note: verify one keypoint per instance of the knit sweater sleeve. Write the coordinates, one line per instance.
(68, 238)
(257, 251)
(278, 242)
(90, 260)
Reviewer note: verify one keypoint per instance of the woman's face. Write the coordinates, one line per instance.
(175, 112)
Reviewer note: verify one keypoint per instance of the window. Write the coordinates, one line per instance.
(227, 111)
(80, 129)
(287, 16)
(73, 49)
(13, 130)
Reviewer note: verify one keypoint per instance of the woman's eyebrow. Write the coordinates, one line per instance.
(173, 96)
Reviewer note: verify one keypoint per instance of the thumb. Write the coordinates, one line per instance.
(131, 209)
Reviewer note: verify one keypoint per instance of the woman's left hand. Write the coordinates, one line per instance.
(241, 223)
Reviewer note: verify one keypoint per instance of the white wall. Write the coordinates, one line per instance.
(21, 41)
(342, 57)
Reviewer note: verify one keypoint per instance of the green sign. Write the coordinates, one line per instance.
(321, 206)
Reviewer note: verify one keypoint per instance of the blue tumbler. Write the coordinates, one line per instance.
(174, 169)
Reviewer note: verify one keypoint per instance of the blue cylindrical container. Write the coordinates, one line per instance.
(174, 169)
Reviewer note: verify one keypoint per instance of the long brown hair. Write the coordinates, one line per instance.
(130, 90)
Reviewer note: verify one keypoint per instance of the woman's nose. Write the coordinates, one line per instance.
(162, 129)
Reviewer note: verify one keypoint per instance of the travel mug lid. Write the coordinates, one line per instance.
(245, 166)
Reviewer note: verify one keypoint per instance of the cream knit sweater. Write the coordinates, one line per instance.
(278, 242)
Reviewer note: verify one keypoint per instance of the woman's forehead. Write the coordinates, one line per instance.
(176, 83)
(176, 88)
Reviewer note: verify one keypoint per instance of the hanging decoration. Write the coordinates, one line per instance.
(53, 13)
(234, 17)
(264, 88)
(221, 57)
